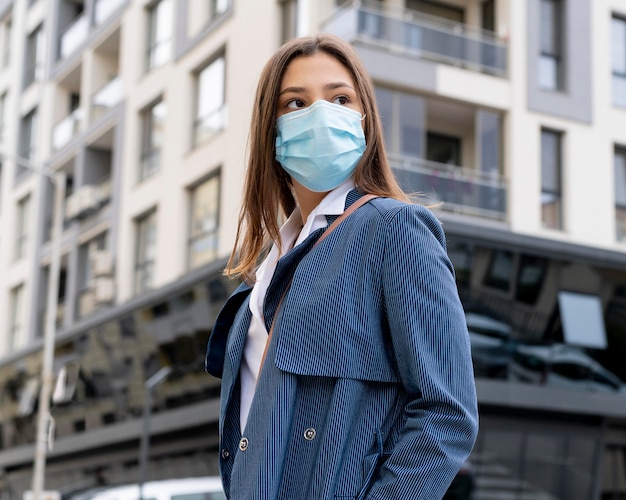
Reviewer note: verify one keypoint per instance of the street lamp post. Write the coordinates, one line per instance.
(47, 373)
(144, 449)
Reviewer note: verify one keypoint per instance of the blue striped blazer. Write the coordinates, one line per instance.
(367, 390)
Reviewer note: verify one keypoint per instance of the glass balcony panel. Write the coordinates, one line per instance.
(421, 35)
(105, 8)
(67, 128)
(74, 36)
(107, 97)
(461, 190)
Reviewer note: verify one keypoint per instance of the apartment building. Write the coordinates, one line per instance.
(131, 116)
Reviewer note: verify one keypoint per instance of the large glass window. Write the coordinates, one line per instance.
(403, 116)
(145, 256)
(161, 23)
(5, 43)
(33, 66)
(618, 57)
(204, 222)
(620, 193)
(210, 114)
(551, 171)
(16, 322)
(551, 45)
(153, 121)
(28, 139)
(21, 227)
(202, 12)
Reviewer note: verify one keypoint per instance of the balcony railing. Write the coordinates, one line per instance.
(74, 35)
(209, 125)
(88, 199)
(419, 35)
(67, 128)
(105, 8)
(107, 97)
(462, 190)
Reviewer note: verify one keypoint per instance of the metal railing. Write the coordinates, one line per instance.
(462, 190)
(420, 35)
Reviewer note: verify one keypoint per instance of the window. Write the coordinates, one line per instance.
(530, 278)
(443, 149)
(160, 18)
(210, 114)
(618, 42)
(551, 159)
(204, 222)
(488, 15)
(33, 71)
(436, 9)
(551, 41)
(620, 193)
(5, 43)
(21, 227)
(403, 116)
(4, 103)
(500, 272)
(16, 325)
(153, 121)
(202, 12)
(289, 17)
(145, 251)
(28, 139)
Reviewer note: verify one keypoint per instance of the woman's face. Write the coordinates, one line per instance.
(320, 76)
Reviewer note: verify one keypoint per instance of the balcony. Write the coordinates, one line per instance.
(74, 35)
(420, 35)
(88, 199)
(105, 8)
(107, 97)
(67, 128)
(462, 190)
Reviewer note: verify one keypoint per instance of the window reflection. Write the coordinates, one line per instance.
(519, 328)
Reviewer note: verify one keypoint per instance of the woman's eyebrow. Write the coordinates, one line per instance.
(328, 86)
(294, 90)
(337, 85)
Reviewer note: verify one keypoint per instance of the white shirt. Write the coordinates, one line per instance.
(290, 236)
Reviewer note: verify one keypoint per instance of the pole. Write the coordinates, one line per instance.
(47, 374)
(144, 448)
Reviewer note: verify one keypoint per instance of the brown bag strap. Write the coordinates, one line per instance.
(352, 208)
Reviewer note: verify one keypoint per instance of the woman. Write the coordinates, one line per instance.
(345, 358)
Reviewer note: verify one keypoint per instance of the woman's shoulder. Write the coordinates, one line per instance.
(391, 208)
(403, 218)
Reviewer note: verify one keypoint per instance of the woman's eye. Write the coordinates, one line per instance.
(342, 100)
(295, 104)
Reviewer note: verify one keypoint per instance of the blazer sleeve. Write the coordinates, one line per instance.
(431, 345)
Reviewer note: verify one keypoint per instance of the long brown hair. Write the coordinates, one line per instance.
(267, 188)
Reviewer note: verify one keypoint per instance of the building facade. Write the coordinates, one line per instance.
(509, 117)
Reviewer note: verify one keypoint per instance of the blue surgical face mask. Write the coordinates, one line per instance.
(320, 146)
